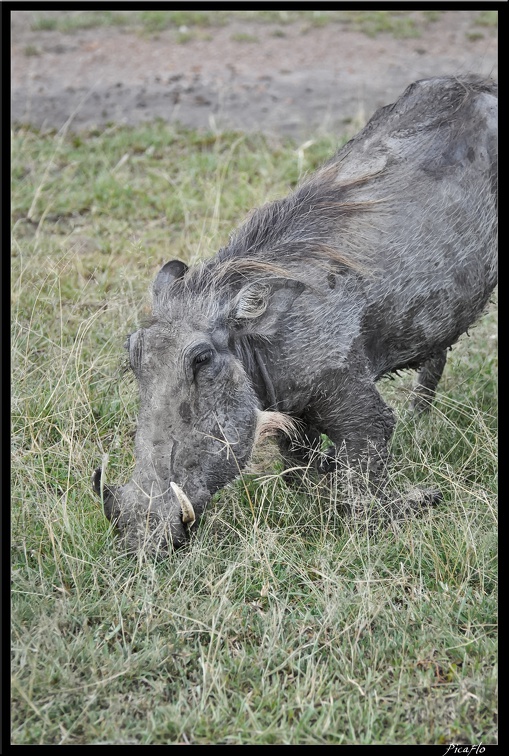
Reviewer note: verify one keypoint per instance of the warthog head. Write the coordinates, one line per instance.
(199, 415)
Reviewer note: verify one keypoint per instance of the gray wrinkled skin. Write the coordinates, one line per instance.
(377, 262)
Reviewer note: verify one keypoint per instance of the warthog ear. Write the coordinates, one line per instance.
(259, 307)
(167, 275)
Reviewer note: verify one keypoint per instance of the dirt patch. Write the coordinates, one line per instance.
(241, 76)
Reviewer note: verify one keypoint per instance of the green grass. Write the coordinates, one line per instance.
(487, 18)
(189, 25)
(244, 38)
(397, 23)
(282, 623)
(71, 21)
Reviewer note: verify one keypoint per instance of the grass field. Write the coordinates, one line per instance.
(186, 24)
(189, 22)
(281, 623)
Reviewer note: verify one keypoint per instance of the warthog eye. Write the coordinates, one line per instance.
(202, 359)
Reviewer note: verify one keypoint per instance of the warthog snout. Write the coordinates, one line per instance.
(153, 521)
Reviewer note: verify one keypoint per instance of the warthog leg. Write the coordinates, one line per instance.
(427, 381)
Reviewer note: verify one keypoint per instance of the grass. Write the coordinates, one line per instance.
(408, 23)
(190, 25)
(282, 623)
(487, 18)
(241, 37)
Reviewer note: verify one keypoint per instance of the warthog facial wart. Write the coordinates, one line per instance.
(377, 262)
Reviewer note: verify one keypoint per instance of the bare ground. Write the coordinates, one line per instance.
(307, 80)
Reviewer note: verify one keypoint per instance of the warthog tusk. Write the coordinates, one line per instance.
(188, 515)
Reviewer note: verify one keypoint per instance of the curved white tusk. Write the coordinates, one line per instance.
(188, 515)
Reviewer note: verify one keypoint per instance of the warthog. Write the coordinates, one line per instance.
(377, 262)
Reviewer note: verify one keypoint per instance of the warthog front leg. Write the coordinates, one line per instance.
(427, 381)
(303, 453)
(361, 429)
